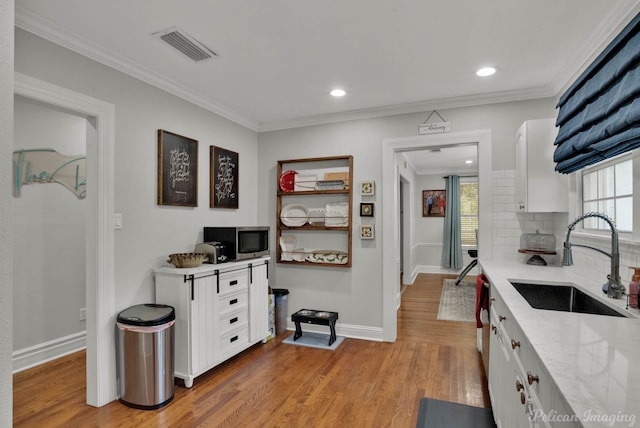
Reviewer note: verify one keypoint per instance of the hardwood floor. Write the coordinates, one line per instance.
(360, 384)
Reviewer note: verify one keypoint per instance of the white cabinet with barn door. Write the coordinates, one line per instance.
(539, 188)
(221, 310)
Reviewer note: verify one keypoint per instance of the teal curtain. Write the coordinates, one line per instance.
(452, 248)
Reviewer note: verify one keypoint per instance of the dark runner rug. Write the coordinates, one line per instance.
(445, 414)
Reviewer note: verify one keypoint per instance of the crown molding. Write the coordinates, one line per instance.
(417, 107)
(49, 31)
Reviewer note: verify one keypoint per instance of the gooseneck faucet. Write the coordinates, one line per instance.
(615, 289)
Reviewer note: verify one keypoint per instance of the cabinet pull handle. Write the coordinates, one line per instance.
(519, 385)
(234, 338)
(523, 398)
(234, 282)
(232, 320)
(233, 302)
(515, 345)
(502, 318)
(532, 378)
(491, 300)
(494, 328)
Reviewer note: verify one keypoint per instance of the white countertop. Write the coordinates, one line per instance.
(593, 359)
(207, 268)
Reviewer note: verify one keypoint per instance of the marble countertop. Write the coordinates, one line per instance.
(593, 359)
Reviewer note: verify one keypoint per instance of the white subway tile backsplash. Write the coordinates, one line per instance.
(509, 225)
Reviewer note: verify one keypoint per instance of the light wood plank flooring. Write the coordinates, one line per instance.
(360, 384)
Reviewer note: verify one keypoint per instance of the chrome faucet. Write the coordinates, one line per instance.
(615, 289)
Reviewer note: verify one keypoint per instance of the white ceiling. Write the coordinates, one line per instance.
(278, 59)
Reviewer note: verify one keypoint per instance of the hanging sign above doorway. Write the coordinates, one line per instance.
(434, 127)
(48, 166)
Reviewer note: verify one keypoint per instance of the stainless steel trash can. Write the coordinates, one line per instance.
(282, 308)
(146, 355)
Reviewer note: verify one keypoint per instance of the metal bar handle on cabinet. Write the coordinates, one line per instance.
(217, 274)
(192, 279)
(250, 273)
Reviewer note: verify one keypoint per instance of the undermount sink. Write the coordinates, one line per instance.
(565, 298)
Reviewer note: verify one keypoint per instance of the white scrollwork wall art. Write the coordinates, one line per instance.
(223, 186)
(48, 166)
(177, 170)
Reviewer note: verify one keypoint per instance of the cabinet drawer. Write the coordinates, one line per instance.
(233, 321)
(233, 302)
(234, 339)
(233, 281)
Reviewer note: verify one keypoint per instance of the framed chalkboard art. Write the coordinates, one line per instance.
(223, 186)
(177, 170)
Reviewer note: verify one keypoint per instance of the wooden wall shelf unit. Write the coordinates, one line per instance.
(307, 188)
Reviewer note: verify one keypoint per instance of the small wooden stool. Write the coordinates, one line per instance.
(313, 316)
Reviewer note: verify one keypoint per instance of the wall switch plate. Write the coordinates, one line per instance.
(117, 221)
(83, 314)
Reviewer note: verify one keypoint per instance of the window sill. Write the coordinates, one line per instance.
(605, 237)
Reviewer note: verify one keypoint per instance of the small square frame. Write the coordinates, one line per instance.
(366, 209)
(368, 188)
(367, 231)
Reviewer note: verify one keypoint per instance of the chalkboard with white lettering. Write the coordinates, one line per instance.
(223, 186)
(177, 170)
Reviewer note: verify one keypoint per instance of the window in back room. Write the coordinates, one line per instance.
(469, 212)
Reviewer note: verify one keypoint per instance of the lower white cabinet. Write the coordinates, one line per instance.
(522, 392)
(221, 310)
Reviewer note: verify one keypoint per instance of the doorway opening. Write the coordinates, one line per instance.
(390, 213)
(100, 290)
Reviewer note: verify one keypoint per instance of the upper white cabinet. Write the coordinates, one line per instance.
(539, 188)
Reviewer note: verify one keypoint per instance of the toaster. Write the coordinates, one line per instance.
(216, 251)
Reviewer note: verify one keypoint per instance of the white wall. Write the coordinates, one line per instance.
(356, 293)
(6, 233)
(49, 233)
(150, 232)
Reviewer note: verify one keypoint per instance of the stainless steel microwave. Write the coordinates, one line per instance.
(240, 243)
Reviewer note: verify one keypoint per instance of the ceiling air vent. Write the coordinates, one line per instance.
(186, 44)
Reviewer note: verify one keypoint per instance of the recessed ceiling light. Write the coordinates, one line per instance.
(486, 71)
(468, 161)
(338, 93)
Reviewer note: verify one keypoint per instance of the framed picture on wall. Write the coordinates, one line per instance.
(223, 185)
(368, 188)
(177, 170)
(366, 209)
(434, 203)
(367, 231)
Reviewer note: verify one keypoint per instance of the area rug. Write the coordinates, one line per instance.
(445, 414)
(314, 340)
(457, 302)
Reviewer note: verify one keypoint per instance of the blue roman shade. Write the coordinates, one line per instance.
(599, 115)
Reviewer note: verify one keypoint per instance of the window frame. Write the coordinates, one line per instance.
(474, 180)
(634, 235)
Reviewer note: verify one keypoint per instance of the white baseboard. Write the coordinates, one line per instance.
(435, 269)
(346, 330)
(32, 356)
